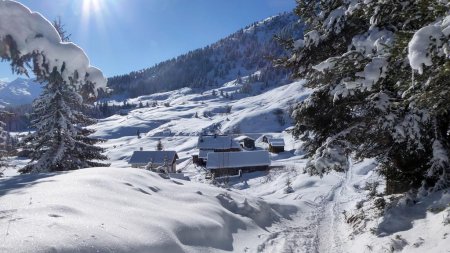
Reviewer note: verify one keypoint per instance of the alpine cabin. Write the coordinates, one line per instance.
(214, 143)
(234, 163)
(165, 160)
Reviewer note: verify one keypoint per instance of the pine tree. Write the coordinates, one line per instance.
(3, 144)
(368, 98)
(159, 146)
(60, 142)
(59, 26)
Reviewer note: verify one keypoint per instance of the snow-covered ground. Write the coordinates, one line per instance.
(120, 209)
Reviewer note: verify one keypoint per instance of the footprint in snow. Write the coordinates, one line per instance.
(55, 215)
(154, 189)
(141, 190)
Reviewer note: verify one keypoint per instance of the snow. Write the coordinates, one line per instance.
(18, 92)
(311, 38)
(156, 157)
(373, 71)
(325, 65)
(121, 209)
(33, 33)
(374, 44)
(125, 210)
(242, 138)
(298, 44)
(334, 21)
(374, 41)
(420, 48)
(276, 142)
(218, 160)
(216, 142)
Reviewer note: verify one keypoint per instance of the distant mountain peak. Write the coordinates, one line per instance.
(19, 92)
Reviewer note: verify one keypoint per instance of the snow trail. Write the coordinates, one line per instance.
(289, 237)
(331, 233)
(320, 230)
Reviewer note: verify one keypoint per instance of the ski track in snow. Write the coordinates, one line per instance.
(322, 229)
(330, 235)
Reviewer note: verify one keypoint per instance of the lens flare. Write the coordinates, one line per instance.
(91, 6)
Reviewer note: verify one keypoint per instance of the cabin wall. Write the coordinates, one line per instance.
(273, 149)
(235, 171)
(173, 167)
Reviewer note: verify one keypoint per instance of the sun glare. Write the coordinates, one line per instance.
(91, 6)
(94, 12)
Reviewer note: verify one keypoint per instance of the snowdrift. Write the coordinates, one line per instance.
(126, 210)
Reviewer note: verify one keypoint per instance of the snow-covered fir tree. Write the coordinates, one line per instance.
(60, 142)
(380, 72)
(159, 146)
(3, 143)
(59, 26)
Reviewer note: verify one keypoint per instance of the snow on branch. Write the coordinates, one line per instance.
(34, 36)
(429, 41)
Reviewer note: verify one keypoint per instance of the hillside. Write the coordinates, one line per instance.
(341, 122)
(122, 209)
(19, 92)
(241, 54)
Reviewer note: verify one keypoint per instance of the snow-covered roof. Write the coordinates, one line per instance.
(276, 142)
(156, 157)
(218, 160)
(242, 138)
(216, 142)
(203, 153)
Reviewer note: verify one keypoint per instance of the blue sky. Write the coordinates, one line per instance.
(120, 36)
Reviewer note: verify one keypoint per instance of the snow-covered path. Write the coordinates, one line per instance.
(322, 228)
(290, 237)
(330, 232)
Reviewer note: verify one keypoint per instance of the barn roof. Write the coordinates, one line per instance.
(276, 142)
(216, 142)
(156, 157)
(219, 160)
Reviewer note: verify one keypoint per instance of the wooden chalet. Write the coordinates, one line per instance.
(234, 163)
(164, 160)
(214, 143)
(276, 145)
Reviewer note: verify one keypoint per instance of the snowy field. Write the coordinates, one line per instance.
(120, 209)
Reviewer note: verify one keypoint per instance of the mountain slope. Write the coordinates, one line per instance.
(110, 209)
(240, 54)
(19, 92)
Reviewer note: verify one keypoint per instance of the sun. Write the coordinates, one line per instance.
(95, 13)
(92, 6)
